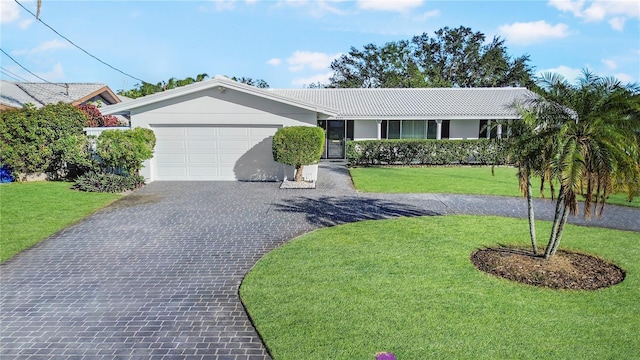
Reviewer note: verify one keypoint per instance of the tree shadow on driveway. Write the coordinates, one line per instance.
(330, 211)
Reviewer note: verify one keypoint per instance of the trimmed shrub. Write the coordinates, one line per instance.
(298, 146)
(46, 140)
(126, 149)
(107, 182)
(427, 152)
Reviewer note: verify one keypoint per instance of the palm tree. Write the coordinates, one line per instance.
(585, 139)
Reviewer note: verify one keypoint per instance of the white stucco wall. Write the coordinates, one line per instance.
(463, 129)
(228, 107)
(365, 130)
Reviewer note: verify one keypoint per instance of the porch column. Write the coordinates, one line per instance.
(488, 129)
(438, 129)
(499, 131)
(379, 122)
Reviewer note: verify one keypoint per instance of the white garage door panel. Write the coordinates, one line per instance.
(212, 152)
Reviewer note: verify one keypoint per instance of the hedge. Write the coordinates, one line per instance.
(298, 146)
(427, 152)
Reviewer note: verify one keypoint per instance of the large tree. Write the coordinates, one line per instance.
(452, 58)
(584, 137)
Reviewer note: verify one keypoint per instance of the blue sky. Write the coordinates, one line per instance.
(291, 43)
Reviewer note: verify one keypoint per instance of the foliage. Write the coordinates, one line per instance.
(298, 146)
(407, 286)
(584, 136)
(453, 58)
(259, 83)
(148, 89)
(125, 149)
(33, 211)
(426, 152)
(107, 182)
(46, 140)
(95, 117)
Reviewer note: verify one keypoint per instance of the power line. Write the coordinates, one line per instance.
(27, 70)
(74, 44)
(20, 79)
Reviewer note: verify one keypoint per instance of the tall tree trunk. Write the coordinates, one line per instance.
(532, 225)
(560, 205)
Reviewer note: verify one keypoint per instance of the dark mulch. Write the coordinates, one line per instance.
(565, 270)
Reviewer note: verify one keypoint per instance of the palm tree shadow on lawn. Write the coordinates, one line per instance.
(330, 211)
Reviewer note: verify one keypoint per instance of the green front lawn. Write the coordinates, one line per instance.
(407, 286)
(452, 180)
(31, 212)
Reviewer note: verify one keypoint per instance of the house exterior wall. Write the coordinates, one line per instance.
(216, 108)
(463, 129)
(365, 130)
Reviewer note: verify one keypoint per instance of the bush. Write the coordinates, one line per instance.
(125, 149)
(46, 140)
(298, 146)
(427, 152)
(95, 117)
(107, 182)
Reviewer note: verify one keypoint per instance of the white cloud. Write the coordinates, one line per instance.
(314, 79)
(389, 5)
(610, 63)
(617, 23)
(533, 32)
(301, 60)
(571, 74)
(45, 46)
(598, 10)
(24, 24)
(274, 61)
(9, 11)
(624, 78)
(427, 15)
(55, 74)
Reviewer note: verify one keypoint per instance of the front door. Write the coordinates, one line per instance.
(335, 139)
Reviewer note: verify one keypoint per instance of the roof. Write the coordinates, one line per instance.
(219, 82)
(414, 103)
(16, 94)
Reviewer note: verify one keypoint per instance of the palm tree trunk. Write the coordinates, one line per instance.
(563, 221)
(532, 225)
(560, 204)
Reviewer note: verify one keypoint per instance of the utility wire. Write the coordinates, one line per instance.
(74, 44)
(20, 79)
(27, 70)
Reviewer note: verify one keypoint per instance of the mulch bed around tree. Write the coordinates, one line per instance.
(565, 270)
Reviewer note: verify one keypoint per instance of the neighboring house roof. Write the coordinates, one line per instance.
(415, 103)
(17, 94)
(221, 83)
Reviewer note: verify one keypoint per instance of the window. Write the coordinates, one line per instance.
(406, 129)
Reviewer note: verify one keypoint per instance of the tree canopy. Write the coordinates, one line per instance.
(452, 58)
(145, 88)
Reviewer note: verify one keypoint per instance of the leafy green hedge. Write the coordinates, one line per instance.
(298, 146)
(107, 182)
(427, 152)
(46, 140)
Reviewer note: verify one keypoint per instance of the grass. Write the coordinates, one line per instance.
(452, 180)
(407, 286)
(31, 212)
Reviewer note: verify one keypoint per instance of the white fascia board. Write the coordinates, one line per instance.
(220, 82)
(475, 117)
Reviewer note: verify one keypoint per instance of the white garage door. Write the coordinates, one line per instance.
(214, 153)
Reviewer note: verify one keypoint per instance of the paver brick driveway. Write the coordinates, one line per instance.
(156, 275)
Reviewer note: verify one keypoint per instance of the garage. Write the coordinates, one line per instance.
(214, 152)
(217, 129)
